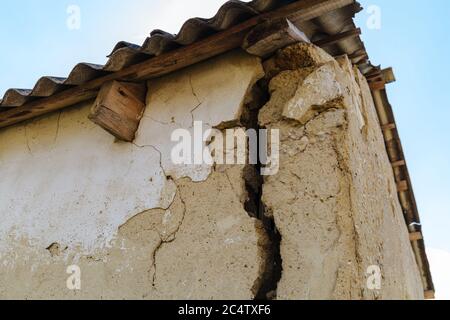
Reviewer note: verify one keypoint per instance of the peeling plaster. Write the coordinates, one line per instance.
(99, 183)
(194, 95)
(75, 193)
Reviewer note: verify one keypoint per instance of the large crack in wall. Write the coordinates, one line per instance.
(328, 199)
(308, 199)
(238, 184)
(265, 286)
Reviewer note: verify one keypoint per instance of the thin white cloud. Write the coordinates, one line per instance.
(440, 269)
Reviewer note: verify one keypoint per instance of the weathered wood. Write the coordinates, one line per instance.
(119, 108)
(398, 164)
(430, 295)
(328, 41)
(363, 59)
(270, 36)
(376, 73)
(358, 56)
(415, 236)
(377, 85)
(388, 75)
(402, 186)
(389, 126)
(202, 50)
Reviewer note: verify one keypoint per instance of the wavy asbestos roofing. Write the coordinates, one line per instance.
(230, 14)
(125, 54)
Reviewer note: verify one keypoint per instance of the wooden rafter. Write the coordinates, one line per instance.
(338, 37)
(270, 36)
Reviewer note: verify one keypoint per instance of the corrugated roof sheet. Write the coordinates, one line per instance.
(231, 13)
(125, 54)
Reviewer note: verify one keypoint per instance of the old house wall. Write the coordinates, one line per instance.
(334, 201)
(136, 225)
(139, 226)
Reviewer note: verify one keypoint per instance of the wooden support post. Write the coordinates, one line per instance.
(338, 37)
(358, 57)
(377, 85)
(388, 75)
(402, 186)
(270, 36)
(389, 126)
(398, 164)
(415, 236)
(119, 108)
(430, 295)
(374, 76)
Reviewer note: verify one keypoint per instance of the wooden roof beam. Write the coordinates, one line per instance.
(268, 37)
(415, 236)
(328, 41)
(388, 75)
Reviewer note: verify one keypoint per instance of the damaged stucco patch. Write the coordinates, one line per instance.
(151, 229)
(197, 98)
(63, 182)
(216, 251)
(313, 95)
(308, 201)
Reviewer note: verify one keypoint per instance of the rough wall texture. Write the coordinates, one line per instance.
(141, 227)
(136, 225)
(334, 200)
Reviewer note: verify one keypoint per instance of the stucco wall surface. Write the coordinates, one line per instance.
(141, 227)
(334, 200)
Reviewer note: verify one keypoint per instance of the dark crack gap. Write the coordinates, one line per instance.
(270, 275)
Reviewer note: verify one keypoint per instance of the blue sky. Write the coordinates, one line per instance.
(413, 39)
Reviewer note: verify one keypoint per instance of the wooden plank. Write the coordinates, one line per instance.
(415, 236)
(398, 164)
(202, 50)
(119, 108)
(377, 85)
(379, 78)
(430, 295)
(402, 186)
(358, 56)
(361, 60)
(373, 74)
(388, 75)
(268, 37)
(338, 37)
(389, 126)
